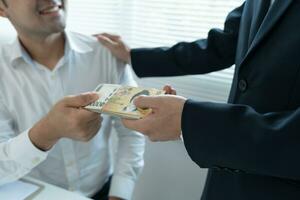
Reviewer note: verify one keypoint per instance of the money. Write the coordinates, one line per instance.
(117, 100)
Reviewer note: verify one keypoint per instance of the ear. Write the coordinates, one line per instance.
(2, 14)
(2, 10)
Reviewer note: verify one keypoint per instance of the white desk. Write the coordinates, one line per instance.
(51, 192)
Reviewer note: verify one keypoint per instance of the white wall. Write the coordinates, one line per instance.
(169, 174)
(7, 32)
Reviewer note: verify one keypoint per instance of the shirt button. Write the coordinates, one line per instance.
(243, 85)
(70, 163)
(71, 189)
(52, 76)
(36, 161)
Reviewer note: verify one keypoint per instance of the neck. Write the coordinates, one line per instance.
(46, 50)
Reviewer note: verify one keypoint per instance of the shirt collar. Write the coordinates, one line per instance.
(72, 44)
(18, 52)
(76, 44)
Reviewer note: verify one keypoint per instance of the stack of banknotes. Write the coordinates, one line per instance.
(117, 100)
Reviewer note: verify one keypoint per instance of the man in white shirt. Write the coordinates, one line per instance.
(42, 66)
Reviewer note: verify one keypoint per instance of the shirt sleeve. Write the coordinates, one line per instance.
(18, 156)
(129, 158)
(129, 161)
(126, 75)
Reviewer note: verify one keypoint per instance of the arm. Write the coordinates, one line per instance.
(17, 153)
(216, 52)
(202, 56)
(20, 154)
(239, 138)
(233, 137)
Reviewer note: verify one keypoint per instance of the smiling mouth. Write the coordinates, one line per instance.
(50, 10)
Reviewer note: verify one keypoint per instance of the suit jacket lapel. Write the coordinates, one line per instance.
(276, 11)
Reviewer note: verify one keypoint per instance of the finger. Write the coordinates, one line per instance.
(111, 36)
(107, 37)
(169, 90)
(90, 116)
(87, 116)
(90, 126)
(94, 125)
(106, 41)
(86, 119)
(80, 100)
(173, 91)
(166, 87)
(147, 101)
(137, 125)
(91, 130)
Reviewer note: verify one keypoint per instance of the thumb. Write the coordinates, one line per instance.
(111, 36)
(105, 41)
(147, 101)
(81, 100)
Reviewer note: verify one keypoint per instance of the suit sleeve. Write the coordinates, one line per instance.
(202, 56)
(237, 138)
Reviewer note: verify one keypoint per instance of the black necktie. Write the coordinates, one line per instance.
(261, 14)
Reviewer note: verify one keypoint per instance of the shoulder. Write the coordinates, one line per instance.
(84, 41)
(88, 41)
(6, 51)
(6, 70)
(99, 55)
(80, 37)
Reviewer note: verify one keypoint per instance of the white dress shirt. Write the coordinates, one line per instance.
(29, 90)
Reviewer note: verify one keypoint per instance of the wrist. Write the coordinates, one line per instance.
(41, 136)
(129, 57)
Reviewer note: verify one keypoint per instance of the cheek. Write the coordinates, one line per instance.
(23, 18)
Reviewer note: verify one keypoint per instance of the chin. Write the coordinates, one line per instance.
(57, 28)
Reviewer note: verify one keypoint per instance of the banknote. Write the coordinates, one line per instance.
(118, 100)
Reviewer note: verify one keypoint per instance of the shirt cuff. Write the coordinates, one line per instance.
(24, 152)
(130, 60)
(181, 137)
(121, 187)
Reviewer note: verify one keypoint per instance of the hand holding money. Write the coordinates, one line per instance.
(118, 100)
(164, 122)
(169, 90)
(67, 119)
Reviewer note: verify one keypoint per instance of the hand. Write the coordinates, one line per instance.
(115, 44)
(169, 90)
(67, 119)
(164, 123)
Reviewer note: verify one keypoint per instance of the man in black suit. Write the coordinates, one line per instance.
(251, 144)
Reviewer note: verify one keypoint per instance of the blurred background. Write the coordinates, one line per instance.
(169, 173)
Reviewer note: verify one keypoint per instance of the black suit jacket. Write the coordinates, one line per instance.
(251, 144)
